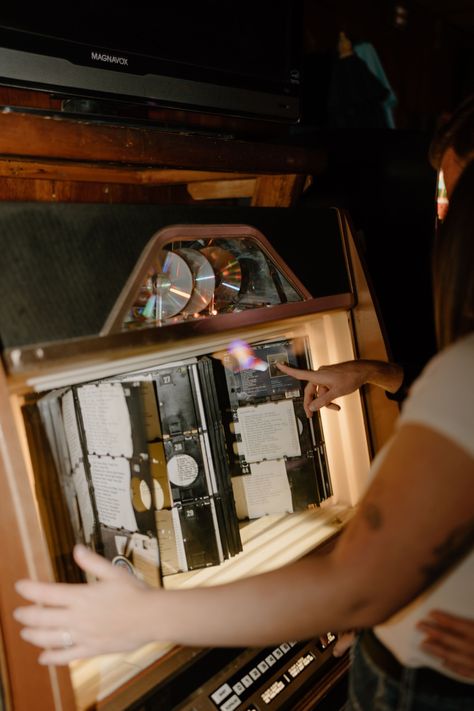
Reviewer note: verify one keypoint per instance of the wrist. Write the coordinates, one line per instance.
(399, 394)
(389, 376)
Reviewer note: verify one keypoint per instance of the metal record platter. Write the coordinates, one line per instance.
(228, 275)
(204, 280)
(166, 290)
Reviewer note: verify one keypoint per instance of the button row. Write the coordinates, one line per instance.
(272, 691)
(246, 681)
(300, 664)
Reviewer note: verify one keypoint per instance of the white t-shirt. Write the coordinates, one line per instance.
(443, 399)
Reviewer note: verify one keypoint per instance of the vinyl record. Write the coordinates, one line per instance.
(186, 469)
(183, 470)
(228, 275)
(204, 280)
(166, 290)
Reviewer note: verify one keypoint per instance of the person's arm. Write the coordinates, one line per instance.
(332, 381)
(377, 567)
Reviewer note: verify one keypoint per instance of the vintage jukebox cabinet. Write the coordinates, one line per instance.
(143, 413)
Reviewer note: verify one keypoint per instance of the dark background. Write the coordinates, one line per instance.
(382, 176)
(426, 48)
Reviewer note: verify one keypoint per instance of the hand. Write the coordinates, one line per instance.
(451, 639)
(76, 621)
(328, 383)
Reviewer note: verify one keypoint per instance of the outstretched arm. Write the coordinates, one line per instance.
(376, 568)
(332, 381)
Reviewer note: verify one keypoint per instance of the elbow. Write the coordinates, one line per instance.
(366, 601)
(367, 612)
(367, 609)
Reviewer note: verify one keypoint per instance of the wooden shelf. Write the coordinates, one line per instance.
(53, 135)
(47, 156)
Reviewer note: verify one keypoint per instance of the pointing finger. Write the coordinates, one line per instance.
(295, 372)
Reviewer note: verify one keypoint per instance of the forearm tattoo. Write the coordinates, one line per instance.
(457, 544)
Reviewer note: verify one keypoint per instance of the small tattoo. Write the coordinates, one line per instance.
(455, 547)
(373, 516)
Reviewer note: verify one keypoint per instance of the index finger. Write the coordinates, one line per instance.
(295, 372)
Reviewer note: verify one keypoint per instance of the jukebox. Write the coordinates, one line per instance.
(145, 415)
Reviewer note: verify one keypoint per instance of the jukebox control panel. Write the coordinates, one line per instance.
(269, 678)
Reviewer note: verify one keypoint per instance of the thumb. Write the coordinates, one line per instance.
(95, 564)
(295, 372)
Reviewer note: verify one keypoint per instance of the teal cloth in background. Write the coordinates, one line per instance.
(366, 51)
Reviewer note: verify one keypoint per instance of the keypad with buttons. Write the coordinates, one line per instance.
(231, 694)
(280, 666)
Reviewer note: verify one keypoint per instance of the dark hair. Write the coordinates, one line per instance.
(457, 132)
(453, 264)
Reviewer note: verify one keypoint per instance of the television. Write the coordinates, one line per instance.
(230, 58)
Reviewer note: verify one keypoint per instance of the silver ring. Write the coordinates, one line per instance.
(67, 639)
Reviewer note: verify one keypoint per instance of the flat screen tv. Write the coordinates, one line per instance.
(239, 58)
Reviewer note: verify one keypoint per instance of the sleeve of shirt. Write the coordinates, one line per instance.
(443, 396)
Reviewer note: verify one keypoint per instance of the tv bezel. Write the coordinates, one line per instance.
(63, 68)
